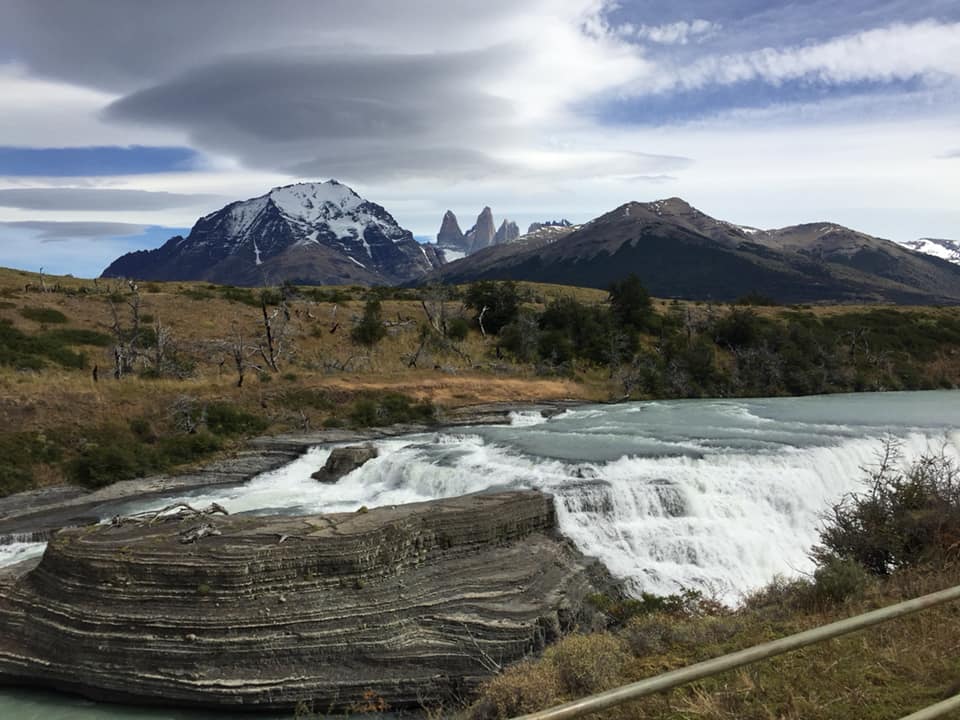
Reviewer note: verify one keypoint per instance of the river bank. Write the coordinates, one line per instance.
(32, 516)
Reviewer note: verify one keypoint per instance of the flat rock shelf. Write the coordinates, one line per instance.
(412, 604)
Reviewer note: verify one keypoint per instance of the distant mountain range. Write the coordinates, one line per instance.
(324, 233)
(310, 233)
(678, 251)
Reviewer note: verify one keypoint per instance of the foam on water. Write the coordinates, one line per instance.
(716, 495)
(17, 551)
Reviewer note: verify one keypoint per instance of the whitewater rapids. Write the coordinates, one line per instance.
(715, 495)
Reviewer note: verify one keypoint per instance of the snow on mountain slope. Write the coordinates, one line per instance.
(308, 232)
(938, 247)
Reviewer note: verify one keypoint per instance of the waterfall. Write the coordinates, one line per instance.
(719, 496)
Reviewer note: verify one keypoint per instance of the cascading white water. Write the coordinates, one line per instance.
(715, 495)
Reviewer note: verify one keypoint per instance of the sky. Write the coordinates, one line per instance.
(123, 122)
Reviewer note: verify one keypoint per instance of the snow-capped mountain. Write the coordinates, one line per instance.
(938, 247)
(321, 233)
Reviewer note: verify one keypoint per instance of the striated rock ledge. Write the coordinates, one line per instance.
(416, 603)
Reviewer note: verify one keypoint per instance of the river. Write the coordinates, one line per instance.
(714, 495)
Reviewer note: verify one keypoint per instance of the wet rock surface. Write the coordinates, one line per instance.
(344, 460)
(414, 603)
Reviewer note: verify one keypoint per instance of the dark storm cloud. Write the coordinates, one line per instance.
(58, 198)
(352, 116)
(125, 45)
(50, 231)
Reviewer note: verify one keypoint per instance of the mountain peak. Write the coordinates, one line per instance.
(450, 235)
(312, 232)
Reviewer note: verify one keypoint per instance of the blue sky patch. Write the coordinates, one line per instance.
(704, 102)
(93, 161)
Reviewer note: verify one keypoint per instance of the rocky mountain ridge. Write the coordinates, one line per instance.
(310, 233)
(679, 251)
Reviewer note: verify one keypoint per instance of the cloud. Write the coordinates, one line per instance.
(371, 116)
(898, 52)
(53, 231)
(93, 199)
(677, 33)
(950, 154)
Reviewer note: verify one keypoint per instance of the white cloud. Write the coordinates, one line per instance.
(898, 52)
(677, 33)
(36, 112)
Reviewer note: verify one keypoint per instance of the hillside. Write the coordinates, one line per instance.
(678, 251)
(187, 353)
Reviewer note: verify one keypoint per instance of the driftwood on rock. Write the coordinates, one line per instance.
(183, 511)
(198, 533)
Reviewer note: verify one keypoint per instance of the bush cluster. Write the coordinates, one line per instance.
(391, 409)
(712, 352)
(33, 352)
(117, 452)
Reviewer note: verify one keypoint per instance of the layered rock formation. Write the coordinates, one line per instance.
(409, 603)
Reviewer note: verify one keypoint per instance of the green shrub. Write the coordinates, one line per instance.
(458, 329)
(43, 315)
(906, 516)
(226, 419)
(390, 409)
(498, 302)
(588, 664)
(182, 449)
(370, 330)
(838, 579)
(14, 478)
(196, 293)
(630, 303)
(76, 336)
(31, 352)
(111, 460)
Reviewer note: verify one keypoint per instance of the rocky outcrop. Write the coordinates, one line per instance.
(344, 460)
(481, 235)
(562, 223)
(507, 232)
(450, 235)
(411, 603)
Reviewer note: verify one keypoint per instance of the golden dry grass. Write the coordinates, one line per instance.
(881, 673)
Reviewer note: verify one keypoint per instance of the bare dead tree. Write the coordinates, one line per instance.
(162, 347)
(480, 320)
(275, 342)
(126, 338)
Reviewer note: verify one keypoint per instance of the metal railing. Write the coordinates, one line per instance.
(627, 693)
